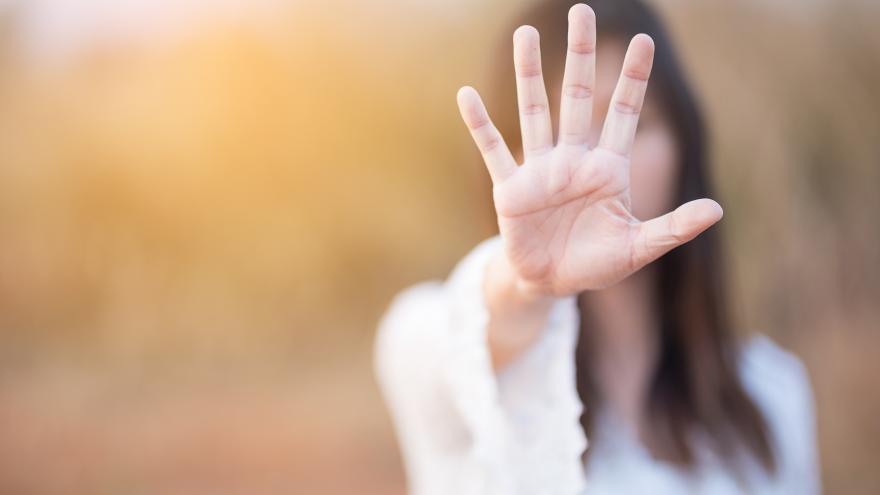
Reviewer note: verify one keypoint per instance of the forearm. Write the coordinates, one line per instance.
(516, 315)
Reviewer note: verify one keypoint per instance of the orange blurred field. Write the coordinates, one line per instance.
(200, 230)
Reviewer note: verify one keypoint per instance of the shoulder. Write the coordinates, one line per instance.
(779, 383)
(409, 317)
(768, 370)
(775, 377)
(408, 348)
(421, 299)
(412, 303)
(420, 312)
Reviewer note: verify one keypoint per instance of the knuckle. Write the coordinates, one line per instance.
(636, 73)
(675, 233)
(490, 143)
(627, 107)
(578, 91)
(528, 69)
(582, 47)
(479, 122)
(534, 109)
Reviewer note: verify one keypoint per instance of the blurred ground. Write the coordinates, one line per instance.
(201, 226)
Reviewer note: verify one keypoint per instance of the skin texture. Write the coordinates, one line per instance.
(566, 217)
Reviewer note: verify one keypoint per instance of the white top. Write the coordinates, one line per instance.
(465, 429)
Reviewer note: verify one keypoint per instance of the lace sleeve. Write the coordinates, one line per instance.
(524, 420)
(462, 427)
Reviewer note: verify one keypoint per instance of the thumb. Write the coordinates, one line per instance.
(658, 236)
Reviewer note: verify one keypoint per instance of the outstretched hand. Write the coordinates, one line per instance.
(564, 215)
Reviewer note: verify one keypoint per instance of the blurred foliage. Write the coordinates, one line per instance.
(199, 235)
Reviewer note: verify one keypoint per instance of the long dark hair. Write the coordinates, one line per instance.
(695, 387)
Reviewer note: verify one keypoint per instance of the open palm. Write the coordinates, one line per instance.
(564, 215)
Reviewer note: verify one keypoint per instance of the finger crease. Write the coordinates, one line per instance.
(578, 91)
(627, 108)
(582, 48)
(534, 109)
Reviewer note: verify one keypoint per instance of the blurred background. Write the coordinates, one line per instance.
(205, 207)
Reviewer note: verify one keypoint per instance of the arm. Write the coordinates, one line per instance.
(466, 425)
(462, 426)
(516, 314)
(564, 215)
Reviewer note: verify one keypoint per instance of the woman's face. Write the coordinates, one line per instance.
(655, 156)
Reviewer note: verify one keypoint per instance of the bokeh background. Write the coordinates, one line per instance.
(205, 206)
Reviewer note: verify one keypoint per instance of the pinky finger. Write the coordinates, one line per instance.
(495, 153)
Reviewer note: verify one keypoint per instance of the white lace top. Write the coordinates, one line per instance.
(464, 429)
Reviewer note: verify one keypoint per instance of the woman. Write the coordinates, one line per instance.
(561, 328)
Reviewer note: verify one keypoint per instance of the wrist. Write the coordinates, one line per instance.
(518, 311)
(502, 280)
